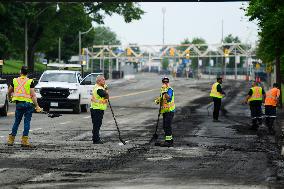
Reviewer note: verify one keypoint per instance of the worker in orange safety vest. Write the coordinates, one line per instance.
(271, 101)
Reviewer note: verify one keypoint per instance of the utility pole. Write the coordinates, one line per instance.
(59, 49)
(164, 12)
(26, 42)
(278, 73)
(80, 41)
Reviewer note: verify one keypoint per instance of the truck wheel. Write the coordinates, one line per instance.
(84, 108)
(4, 110)
(77, 108)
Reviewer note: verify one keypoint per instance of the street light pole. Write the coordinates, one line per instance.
(163, 11)
(26, 42)
(59, 50)
(80, 61)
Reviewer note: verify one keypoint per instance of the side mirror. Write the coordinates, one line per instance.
(86, 83)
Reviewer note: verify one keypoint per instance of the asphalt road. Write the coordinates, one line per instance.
(205, 155)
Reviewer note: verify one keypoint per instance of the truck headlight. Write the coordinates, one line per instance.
(37, 90)
(72, 91)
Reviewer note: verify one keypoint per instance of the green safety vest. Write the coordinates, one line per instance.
(167, 106)
(98, 102)
(256, 94)
(214, 92)
(22, 86)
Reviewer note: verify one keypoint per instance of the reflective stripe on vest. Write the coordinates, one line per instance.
(214, 92)
(168, 106)
(98, 102)
(169, 137)
(22, 89)
(256, 94)
(271, 97)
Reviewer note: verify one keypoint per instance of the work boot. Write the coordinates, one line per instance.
(11, 140)
(25, 141)
(167, 143)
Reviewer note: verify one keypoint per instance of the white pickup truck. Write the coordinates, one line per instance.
(4, 105)
(64, 89)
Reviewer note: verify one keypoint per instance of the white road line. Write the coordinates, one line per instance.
(87, 117)
(36, 129)
(64, 123)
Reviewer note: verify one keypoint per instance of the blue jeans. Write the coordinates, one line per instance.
(23, 109)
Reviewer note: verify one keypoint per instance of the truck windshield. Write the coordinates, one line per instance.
(59, 77)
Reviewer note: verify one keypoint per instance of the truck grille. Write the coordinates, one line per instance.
(54, 92)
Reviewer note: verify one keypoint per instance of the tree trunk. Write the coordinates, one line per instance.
(278, 73)
(31, 60)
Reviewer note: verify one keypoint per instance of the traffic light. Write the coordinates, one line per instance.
(226, 52)
(187, 53)
(128, 52)
(172, 52)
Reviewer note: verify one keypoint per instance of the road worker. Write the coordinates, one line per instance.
(98, 106)
(255, 97)
(217, 94)
(167, 102)
(21, 92)
(271, 100)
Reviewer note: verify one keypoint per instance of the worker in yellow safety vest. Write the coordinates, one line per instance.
(99, 102)
(21, 92)
(217, 94)
(167, 103)
(271, 101)
(255, 97)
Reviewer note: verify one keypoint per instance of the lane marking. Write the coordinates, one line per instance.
(131, 94)
(64, 123)
(87, 117)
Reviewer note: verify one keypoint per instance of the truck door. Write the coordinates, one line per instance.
(86, 87)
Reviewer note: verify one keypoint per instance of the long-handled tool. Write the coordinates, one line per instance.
(51, 115)
(155, 135)
(121, 140)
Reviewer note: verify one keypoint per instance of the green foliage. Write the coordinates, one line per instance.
(45, 25)
(270, 17)
(14, 66)
(165, 63)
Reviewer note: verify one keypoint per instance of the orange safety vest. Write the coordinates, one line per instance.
(271, 97)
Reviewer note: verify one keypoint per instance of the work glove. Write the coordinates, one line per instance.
(38, 109)
(164, 90)
(157, 100)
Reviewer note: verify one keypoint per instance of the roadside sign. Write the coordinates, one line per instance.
(44, 61)
(1, 62)
(257, 66)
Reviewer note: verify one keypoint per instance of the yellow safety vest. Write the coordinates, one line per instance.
(256, 94)
(167, 106)
(98, 102)
(214, 92)
(22, 86)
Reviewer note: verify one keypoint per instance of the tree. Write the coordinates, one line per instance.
(45, 25)
(270, 17)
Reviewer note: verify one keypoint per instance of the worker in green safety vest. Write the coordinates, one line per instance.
(167, 103)
(21, 91)
(217, 94)
(255, 97)
(98, 106)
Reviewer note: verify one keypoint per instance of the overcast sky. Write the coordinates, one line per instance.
(185, 20)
